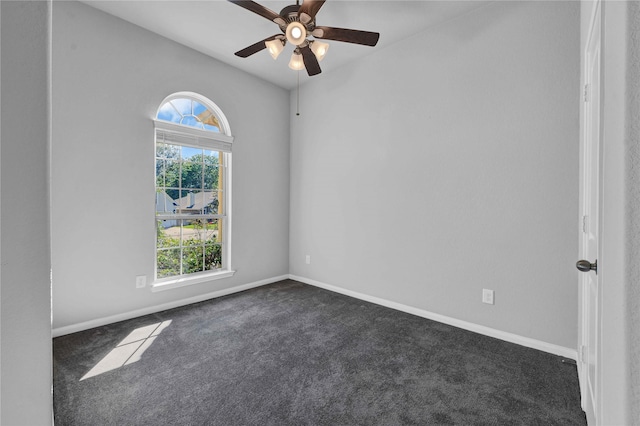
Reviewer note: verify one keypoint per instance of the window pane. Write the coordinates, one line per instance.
(211, 231)
(211, 202)
(211, 169)
(174, 194)
(190, 202)
(160, 166)
(203, 199)
(191, 121)
(172, 173)
(186, 199)
(168, 113)
(168, 263)
(191, 175)
(211, 157)
(188, 154)
(193, 232)
(198, 109)
(183, 106)
(213, 257)
(211, 128)
(164, 203)
(168, 234)
(211, 178)
(160, 150)
(167, 151)
(192, 259)
(210, 120)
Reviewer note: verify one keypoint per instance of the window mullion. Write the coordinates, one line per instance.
(189, 216)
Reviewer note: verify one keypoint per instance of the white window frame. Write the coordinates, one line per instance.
(193, 137)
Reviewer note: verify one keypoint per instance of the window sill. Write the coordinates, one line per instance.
(168, 284)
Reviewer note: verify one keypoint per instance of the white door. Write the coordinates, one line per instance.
(589, 245)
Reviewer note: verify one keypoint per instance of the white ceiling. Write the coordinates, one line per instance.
(219, 28)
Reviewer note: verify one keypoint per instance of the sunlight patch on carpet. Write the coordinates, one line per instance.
(130, 350)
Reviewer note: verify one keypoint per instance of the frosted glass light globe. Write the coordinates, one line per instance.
(296, 33)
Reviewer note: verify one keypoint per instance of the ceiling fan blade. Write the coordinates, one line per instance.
(255, 48)
(366, 38)
(310, 61)
(260, 10)
(308, 10)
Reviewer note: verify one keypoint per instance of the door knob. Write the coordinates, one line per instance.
(586, 266)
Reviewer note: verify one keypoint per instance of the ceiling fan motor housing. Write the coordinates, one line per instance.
(291, 15)
(290, 12)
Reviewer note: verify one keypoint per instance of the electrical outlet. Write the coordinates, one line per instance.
(307, 259)
(487, 296)
(141, 281)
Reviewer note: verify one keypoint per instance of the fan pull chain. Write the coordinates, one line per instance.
(298, 96)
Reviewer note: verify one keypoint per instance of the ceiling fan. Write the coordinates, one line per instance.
(297, 22)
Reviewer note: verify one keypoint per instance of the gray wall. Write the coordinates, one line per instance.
(620, 242)
(109, 77)
(24, 221)
(633, 208)
(446, 164)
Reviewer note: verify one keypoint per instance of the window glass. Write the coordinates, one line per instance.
(189, 112)
(190, 190)
(183, 106)
(168, 112)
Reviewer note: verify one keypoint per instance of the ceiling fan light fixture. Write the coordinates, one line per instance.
(296, 63)
(296, 33)
(319, 48)
(275, 47)
(297, 22)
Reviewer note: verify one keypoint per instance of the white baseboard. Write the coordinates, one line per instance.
(74, 328)
(480, 329)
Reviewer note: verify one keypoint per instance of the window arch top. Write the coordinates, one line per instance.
(195, 111)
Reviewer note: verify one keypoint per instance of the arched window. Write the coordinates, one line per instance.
(193, 160)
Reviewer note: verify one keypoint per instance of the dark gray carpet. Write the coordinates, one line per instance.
(292, 354)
